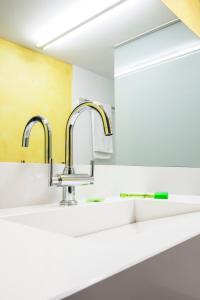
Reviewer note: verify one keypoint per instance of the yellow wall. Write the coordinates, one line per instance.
(188, 11)
(32, 84)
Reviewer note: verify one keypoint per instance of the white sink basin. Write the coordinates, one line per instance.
(87, 218)
(81, 219)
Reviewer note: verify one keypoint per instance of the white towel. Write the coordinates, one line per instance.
(102, 145)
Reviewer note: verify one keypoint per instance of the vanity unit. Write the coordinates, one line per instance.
(92, 250)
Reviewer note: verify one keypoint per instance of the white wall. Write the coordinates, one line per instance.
(91, 86)
(27, 184)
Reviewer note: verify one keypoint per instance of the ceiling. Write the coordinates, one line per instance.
(90, 46)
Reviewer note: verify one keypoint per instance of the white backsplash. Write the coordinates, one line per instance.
(27, 184)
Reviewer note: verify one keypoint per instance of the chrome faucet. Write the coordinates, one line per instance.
(69, 179)
(47, 138)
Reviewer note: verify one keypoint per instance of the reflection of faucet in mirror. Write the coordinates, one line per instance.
(47, 136)
(68, 180)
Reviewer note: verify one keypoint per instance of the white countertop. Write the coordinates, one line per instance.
(36, 264)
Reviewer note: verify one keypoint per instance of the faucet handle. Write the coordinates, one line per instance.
(92, 164)
(51, 172)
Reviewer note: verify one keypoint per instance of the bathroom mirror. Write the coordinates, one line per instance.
(157, 99)
(54, 53)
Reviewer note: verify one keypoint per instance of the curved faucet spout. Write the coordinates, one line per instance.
(70, 124)
(47, 136)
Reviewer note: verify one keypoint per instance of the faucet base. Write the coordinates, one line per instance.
(68, 202)
(68, 197)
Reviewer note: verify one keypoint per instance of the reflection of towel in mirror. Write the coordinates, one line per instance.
(102, 145)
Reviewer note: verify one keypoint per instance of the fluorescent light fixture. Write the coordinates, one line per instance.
(74, 18)
(159, 60)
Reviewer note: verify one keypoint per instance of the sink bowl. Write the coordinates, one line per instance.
(81, 219)
(88, 218)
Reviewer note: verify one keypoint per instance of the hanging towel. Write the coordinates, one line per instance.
(102, 145)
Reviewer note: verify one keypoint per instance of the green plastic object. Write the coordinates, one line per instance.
(158, 195)
(161, 195)
(95, 200)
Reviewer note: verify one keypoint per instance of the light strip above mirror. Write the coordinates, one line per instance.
(69, 22)
(155, 48)
(158, 61)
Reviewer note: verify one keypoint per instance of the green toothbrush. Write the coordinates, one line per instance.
(95, 200)
(159, 195)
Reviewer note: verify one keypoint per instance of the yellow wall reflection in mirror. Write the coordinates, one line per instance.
(32, 84)
(188, 11)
